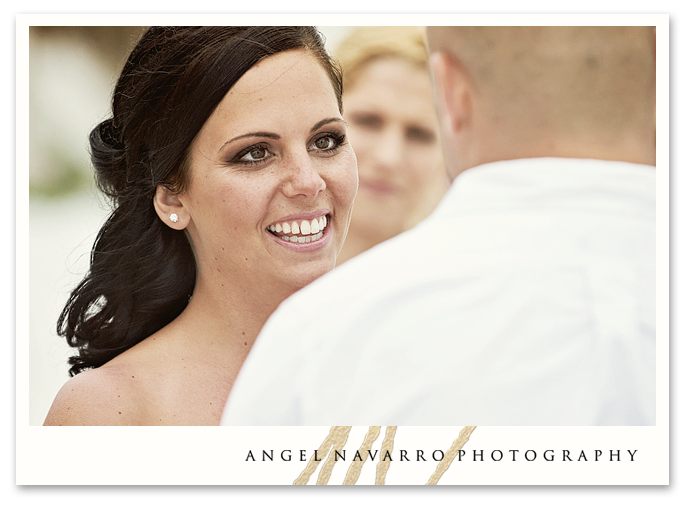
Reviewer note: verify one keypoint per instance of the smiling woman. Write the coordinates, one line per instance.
(232, 182)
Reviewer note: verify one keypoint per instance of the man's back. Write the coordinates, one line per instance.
(527, 298)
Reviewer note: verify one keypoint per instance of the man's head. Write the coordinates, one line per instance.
(519, 92)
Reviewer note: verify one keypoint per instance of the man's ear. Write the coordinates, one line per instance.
(453, 90)
(170, 209)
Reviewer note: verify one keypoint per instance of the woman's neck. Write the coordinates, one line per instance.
(228, 316)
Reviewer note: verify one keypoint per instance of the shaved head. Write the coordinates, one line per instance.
(589, 84)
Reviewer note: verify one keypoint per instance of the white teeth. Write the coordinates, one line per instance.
(305, 227)
(302, 238)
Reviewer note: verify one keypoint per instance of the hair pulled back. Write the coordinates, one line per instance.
(143, 272)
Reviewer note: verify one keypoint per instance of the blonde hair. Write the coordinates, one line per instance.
(368, 43)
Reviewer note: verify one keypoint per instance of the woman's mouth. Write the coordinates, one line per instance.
(379, 188)
(300, 231)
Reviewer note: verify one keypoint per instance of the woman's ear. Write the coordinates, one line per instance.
(169, 208)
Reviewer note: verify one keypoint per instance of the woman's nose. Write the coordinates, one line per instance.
(303, 179)
(389, 152)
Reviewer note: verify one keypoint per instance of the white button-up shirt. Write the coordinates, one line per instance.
(526, 298)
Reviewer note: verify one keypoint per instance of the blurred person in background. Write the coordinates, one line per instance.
(388, 105)
(229, 194)
(528, 297)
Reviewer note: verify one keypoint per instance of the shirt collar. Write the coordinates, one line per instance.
(562, 182)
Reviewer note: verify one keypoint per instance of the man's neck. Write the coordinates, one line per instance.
(627, 149)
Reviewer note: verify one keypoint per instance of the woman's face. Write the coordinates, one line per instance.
(272, 178)
(393, 130)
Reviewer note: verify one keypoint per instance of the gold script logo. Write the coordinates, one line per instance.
(337, 438)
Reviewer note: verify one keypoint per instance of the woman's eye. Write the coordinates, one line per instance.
(422, 135)
(325, 143)
(256, 153)
(253, 154)
(371, 121)
(328, 143)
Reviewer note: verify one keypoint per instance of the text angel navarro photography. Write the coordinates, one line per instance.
(549, 455)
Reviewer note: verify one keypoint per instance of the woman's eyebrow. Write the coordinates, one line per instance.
(270, 135)
(252, 134)
(326, 121)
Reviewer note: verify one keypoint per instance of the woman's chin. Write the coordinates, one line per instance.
(301, 276)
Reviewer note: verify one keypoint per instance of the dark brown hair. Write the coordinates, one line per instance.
(142, 272)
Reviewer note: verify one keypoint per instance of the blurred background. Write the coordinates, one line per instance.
(72, 71)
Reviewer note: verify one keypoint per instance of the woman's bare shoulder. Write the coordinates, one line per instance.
(107, 395)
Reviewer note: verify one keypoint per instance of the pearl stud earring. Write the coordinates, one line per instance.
(174, 218)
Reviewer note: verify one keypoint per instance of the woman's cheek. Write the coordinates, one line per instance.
(352, 175)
